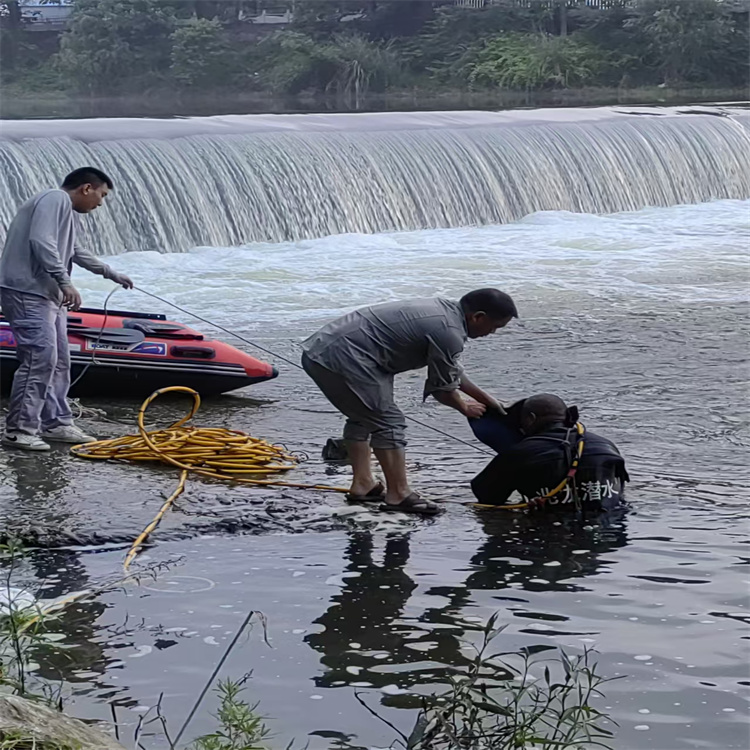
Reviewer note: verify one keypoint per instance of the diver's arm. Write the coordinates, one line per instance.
(496, 483)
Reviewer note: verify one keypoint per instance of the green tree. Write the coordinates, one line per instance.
(450, 41)
(18, 48)
(292, 62)
(10, 34)
(201, 55)
(113, 45)
(347, 65)
(689, 41)
(392, 20)
(536, 61)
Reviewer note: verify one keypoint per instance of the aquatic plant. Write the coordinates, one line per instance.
(22, 629)
(515, 701)
(520, 700)
(241, 728)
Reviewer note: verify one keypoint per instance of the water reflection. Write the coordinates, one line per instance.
(40, 482)
(36, 477)
(51, 574)
(526, 554)
(541, 555)
(364, 630)
(61, 572)
(367, 639)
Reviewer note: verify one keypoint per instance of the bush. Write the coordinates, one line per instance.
(537, 61)
(293, 62)
(362, 66)
(241, 728)
(113, 45)
(691, 41)
(348, 65)
(513, 701)
(453, 37)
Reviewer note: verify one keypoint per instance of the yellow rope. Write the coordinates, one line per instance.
(136, 546)
(484, 506)
(214, 452)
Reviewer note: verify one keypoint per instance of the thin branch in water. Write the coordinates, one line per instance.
(378, 716)
(211, 679)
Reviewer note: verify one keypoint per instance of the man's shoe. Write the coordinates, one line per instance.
(24, 442)
(67, 433)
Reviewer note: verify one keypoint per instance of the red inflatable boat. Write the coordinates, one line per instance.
(133, 354)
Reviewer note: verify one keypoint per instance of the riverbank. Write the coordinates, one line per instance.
(19, 102)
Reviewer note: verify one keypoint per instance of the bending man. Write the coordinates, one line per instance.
(36, 292)
(353, 361)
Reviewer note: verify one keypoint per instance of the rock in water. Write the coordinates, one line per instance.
(49, 729)
(335, 450)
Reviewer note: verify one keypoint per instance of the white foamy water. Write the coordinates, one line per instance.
(231, 180)
(629, 260)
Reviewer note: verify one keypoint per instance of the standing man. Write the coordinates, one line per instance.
(36, 292)
(353, 361)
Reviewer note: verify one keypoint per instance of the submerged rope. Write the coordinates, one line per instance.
(213, 452)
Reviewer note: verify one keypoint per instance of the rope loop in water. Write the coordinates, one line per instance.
(213, 452)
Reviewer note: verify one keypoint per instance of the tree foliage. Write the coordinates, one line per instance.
(200, 53)
(111, 42)
(322, 18)
(689, 41)
(348, 48)
(348, 65)
(536, 61)
(455, 34)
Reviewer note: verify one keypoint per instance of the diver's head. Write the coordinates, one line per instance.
(543, 411)
(486, 310)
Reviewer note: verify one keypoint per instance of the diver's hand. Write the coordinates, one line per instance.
(494, 405)
(536, 503)
(473, 409)
(71, 297)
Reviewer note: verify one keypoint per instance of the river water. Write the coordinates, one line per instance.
(640, 318)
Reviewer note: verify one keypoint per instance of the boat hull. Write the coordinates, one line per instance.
(139, 354)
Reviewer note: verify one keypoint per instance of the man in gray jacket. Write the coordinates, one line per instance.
(35, 293)
(353, 361)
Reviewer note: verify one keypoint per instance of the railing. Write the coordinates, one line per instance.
(604, 4)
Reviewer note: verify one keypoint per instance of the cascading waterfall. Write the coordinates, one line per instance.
(228, 181)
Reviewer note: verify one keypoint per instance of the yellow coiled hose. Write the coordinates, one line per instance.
(214, 452)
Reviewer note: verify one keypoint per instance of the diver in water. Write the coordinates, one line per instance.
(548, 457)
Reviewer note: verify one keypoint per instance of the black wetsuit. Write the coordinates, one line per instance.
(537, 464)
